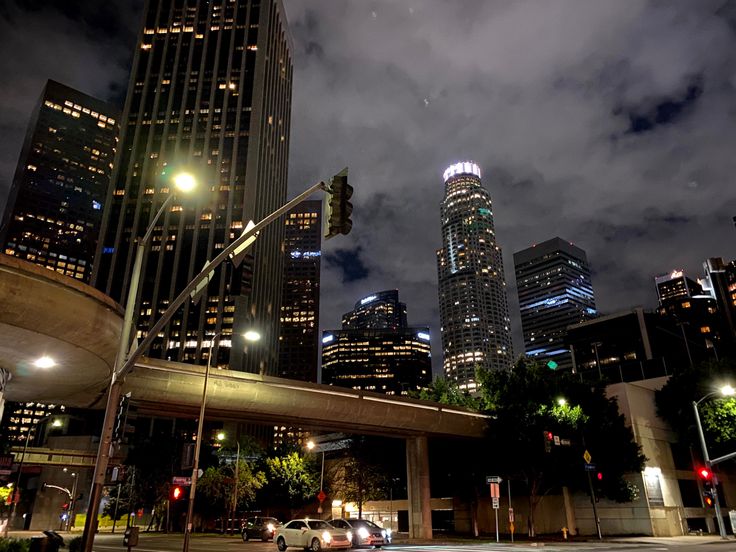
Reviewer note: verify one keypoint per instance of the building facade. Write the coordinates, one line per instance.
(298, 341)
(474, 312)
(694, 312)
(555, 291)
(52, 217)
(373, 353)
(209, 93)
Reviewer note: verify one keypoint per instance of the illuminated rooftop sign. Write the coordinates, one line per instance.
(424, 336)
(368, 299)
(465, 167)
(328, 338)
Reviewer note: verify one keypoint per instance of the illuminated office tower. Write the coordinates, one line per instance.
(52, 217)
(376, 350)
(474, 312)
(555, 291)
(210, 93)
(298, 342)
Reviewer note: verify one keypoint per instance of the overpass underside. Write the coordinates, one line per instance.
(171, 388)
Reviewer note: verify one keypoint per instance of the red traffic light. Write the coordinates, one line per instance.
(549, 436)
(600, 476)
(705, 473)
(176, 493)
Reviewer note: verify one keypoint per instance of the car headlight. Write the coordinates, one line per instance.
(363, 533)
(350, 535)
(326, 537)
(383, 533)
(270, 527)
(389, 531)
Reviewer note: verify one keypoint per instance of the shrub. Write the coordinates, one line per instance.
(14, 545)
(75, 544)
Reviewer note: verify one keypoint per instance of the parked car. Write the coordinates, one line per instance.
(365, 533)
(259, 528)
(313, 534)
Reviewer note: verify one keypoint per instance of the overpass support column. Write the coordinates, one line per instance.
(417, 479)
(4, 379)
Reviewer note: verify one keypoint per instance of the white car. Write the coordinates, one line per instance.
(365, 533)
(312, 534)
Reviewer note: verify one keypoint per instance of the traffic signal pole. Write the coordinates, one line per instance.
(122, 369)
(706, 459)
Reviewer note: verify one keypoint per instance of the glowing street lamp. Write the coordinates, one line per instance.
(252, 335)
(562, 401)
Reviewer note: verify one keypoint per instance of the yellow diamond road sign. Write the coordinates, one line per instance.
(587, 457)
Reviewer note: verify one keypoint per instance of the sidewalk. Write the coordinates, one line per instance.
(676, 541)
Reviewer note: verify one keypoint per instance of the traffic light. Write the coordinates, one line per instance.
(709, 491)
(337, 207)
(548, 438)
(599, 475)
(176, 492)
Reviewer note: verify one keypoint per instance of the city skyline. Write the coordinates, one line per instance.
(614, 142)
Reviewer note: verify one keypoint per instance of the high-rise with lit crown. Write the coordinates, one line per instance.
(555, 291)
(52, 217)
(376, 350)
(474, 312)
(209, 92)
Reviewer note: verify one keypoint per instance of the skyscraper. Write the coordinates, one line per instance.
(210, 91)
(555, 291)
(376, 350)
(474, 312)
(52, 217)
(298, 342)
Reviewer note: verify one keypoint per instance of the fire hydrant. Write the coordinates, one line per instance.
(564, 533)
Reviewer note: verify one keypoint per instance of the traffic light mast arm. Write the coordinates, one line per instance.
(722, 458)
(184, 295)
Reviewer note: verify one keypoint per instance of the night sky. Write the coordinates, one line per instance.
(611, 124)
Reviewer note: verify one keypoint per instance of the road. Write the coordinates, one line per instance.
(173, 543)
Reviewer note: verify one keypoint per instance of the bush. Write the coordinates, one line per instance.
(75, 545)
(14, 545)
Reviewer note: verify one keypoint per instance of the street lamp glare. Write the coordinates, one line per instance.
(562, 401)
(221, 436)
(310, 445)
(56, 423)
(185, 182)
(252, 335)
(44, 362)
(727, 391)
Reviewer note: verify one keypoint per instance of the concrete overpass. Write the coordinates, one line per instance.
(47, 313)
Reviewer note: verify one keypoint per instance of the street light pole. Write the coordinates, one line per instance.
(197, 448)
(116, 385)
(235, 489)
(706, 459)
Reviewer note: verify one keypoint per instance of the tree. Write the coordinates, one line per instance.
(524, 403)
(291, 480)
(447, 392)
(364, 472)
(718, 417)
(215, 487)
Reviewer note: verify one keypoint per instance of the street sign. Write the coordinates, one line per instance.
(496, 503)
(321, 496)
(181, 480)
(557, 440)
(511, 515)
(589, 467)
(587, 457)
(565, 442)
(495, 490)
(493, 479)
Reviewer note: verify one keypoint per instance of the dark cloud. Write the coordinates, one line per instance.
(532, 91)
